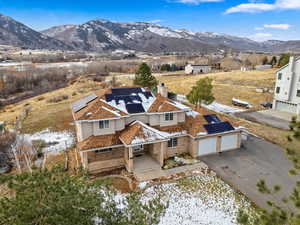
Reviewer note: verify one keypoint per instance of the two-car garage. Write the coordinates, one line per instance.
(215, 144)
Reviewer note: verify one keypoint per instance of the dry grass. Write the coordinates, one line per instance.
(56, 116)
(235, 84)
(227, 85)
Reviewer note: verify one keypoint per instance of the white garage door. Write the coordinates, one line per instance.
(207, 146)
(229, 142)
(286, 107)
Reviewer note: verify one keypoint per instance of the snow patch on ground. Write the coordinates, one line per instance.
(199, 200)
(58, 141)
(220, 108)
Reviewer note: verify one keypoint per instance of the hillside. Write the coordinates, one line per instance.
(15, 33)
(104, 35)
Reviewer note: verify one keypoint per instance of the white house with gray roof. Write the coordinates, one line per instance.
(287, 89)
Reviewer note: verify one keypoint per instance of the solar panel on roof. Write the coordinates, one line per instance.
(80, 104)
(212, 118)
(148, 94)
(125, 91)
(135, 108)
(215, 128)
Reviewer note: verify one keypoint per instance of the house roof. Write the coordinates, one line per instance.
(139, 133)
(103, 141)
(98, 109)
(162, 104)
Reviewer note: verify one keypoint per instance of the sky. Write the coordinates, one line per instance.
(256, 19)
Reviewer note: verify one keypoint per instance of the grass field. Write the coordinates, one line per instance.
(43, 114)
(227, 85)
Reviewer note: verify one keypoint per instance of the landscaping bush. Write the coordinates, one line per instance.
(58, 99)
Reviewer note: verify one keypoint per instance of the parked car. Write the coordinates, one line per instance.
(267, 105)
(240, 103)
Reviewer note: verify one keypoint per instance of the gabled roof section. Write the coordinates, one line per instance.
(98, 109)
(97, 142)
(162, 104)
(139, 133)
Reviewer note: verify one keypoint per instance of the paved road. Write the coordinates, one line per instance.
(265, 119)
(258, 159)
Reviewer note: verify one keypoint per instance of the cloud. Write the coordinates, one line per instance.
(155, 21)
(261, 36)
(254, 7)
(195, 2)
(278, 26)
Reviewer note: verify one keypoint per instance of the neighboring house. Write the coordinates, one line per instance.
(246, 68)
(263, 67)
(287, 90)
(197, 69)
(118, 128)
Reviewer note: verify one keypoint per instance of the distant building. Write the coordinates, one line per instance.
(263, 67)
(287, 90)
(246, 68)
(197, 69)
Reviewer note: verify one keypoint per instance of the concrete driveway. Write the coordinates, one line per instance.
(258, 159)
(265, 118)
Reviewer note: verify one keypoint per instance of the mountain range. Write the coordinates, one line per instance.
(103, 35)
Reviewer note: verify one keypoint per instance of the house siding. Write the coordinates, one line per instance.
(164, 123)
(105, 131)
(154, 120)
(120, 124)
(181, 148)
(142, 118)
(289, 84)
(85, 130)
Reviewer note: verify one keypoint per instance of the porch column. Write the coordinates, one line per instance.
(129, 159)
(162, 153)
(84, 159)
(219, 140)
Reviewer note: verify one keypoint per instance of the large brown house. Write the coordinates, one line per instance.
(116, 129)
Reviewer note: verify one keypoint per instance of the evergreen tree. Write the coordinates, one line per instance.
(284, 59)
(165, 67)
(278, 215)
(56, 198)
(274, 61)
(202, 92)
(144, 77)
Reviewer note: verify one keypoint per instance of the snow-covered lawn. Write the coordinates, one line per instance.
(56, 141)
(199, 200)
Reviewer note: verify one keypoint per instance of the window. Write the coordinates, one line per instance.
(169, 116)
(279, 76)
(172, 143)
(298, 93)
(103, 124)
(138, 148)
(277, 90)
(104, 150)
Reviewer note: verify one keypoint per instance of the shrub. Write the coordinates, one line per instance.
(58, 99)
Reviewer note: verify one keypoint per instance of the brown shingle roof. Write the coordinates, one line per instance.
(162, 104)
(138, 133)
(103, 141)
(98, 109)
